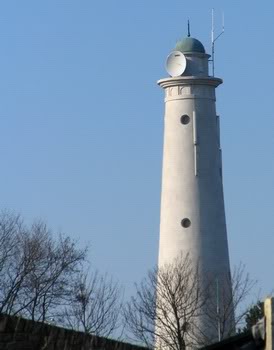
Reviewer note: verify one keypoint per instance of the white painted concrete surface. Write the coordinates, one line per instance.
(192, 173)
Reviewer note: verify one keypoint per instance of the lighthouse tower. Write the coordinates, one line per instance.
(192, 204)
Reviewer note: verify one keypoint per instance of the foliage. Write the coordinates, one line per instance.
(253, 315)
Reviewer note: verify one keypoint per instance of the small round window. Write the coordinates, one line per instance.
(186, 223)
(185, 119)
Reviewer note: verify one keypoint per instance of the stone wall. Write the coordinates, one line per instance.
(21, 334)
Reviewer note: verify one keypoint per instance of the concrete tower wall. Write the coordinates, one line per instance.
(192, 203)
(192, 176)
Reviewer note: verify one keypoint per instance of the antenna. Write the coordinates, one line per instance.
(188, 28)
(213, 39)
(218, 308)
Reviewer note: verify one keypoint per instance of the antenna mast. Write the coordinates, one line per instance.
(218, 308)
(213, 40)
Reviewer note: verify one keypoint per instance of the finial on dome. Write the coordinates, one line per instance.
(188, 28)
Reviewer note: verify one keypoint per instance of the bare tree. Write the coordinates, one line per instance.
(14, 266)
(56, 263)
(231, 308)
(43, 278)
(170, 301)
(36, 271)
(95, 305)
(168, 316)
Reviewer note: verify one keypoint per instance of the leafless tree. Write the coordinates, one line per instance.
(56, 263)
(95, 305)
(170, 301)
(231, 307)
(169, 316)
(36, 271)
(42, 278)
(13, 266)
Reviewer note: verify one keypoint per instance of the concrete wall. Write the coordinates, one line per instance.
(192, 176)
(192, 203)
(21, 334)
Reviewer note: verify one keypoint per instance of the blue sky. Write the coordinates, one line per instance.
(82, 122)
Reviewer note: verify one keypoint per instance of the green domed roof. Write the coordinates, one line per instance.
(190, 45)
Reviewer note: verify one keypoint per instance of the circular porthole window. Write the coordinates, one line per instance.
(186, 223)
(185, 119)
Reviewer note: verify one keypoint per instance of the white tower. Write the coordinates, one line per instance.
(192, 205)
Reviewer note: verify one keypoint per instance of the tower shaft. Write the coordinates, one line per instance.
(192, 203)
(192, 219)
